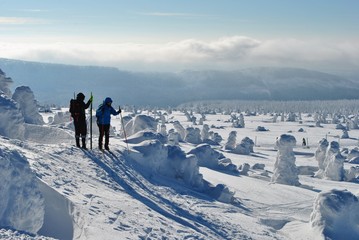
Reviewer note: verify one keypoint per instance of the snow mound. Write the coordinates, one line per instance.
(21, 203)
(335, 215)
(47, 135)
(140, 123)
(28, 107)
(285, 170)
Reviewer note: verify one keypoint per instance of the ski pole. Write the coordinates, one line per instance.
(91, 122)
(124, 132)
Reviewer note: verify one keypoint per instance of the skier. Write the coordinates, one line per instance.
(77, 110)
(103, 115)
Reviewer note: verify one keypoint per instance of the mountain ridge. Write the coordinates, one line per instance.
(56, 83)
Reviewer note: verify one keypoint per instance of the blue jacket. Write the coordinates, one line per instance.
(103, 113)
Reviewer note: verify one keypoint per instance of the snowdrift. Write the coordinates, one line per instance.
(21, 203)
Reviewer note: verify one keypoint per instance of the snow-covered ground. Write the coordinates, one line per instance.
(95, 195)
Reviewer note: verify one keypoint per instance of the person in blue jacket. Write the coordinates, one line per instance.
(103, 115)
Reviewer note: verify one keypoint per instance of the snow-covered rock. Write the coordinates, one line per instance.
(285, 170)
(21, 202)
(28, 106)
(335, 215)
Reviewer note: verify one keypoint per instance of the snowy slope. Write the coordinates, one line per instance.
(95, 195)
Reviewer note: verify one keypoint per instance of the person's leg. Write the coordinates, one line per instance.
(100, 138)
(77, 133)
(107, 136)
(83, 133)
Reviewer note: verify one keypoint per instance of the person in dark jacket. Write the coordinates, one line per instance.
(77, 110)
(103, 115)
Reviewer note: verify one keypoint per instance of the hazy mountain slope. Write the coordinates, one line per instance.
(56, 83)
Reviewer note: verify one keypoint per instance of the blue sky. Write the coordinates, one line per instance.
(182, 34)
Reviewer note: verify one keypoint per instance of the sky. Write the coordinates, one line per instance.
(163, 35)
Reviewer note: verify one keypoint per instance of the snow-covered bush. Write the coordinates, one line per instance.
(205, 132)
(180, 129)
(144, 135)
(345, 135)
(231, 141)
(5, 84)
(245, 147)
(11, 119)
(140, 123)
(320, 155)
(153, 155)
(193, 135)
(261, 129)
(207, 157)
(28, 106)
(353, 153)
(61, 118)
(244, 169)
(173, 138)
(334, 163)
(21, 202)
(335, 215)
(285, 170)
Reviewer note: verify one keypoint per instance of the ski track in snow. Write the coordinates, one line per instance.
(73, 172)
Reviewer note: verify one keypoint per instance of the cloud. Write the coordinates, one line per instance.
(19, 21)
(227, 53)
(171, 14)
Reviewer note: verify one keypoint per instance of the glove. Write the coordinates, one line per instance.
(91, 98)
(119, 110)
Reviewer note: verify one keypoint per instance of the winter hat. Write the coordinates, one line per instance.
(108, 100)
(80, 96)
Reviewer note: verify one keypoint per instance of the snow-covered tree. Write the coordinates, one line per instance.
(285, 170)
(5, 83)
(320, 155)
(28, 106)
(231, 141)
(334, 163)
(193, 135)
